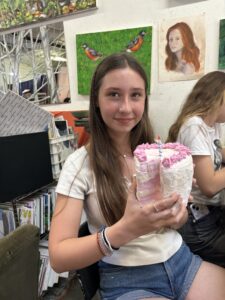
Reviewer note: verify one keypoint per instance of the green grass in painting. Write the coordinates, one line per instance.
(108, 43)
(221, 64)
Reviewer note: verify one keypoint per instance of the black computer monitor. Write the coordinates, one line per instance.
(25, 164)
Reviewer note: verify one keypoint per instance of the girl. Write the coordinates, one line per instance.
(198, 126)
(182, 52)
(140, 254)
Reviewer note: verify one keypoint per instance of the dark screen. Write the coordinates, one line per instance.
(25, 164)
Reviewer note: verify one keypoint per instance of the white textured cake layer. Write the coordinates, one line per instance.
(178, 178)
(163, 169)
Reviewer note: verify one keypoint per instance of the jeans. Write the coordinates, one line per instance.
(171, 279)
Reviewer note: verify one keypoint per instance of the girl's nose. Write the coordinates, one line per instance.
(124, 105)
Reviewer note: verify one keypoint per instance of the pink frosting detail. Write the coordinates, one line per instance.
(180, 152)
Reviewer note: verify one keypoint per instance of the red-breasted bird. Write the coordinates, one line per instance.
(91, 53)
(137, 42)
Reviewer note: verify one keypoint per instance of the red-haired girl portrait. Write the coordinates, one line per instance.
(181, 50)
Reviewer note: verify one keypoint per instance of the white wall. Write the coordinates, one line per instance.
(166, 98)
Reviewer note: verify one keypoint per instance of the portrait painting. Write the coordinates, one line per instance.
(93, 47)
(182, 49)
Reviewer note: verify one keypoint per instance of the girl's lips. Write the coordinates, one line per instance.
(124, 119)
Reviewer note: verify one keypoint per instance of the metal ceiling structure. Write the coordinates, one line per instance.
(27, 54)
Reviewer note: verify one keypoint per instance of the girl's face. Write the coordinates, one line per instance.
(221, 112)
(175, 41)
(121, 100)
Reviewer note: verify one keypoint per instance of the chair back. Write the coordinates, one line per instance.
(19, 264)
(88, 276)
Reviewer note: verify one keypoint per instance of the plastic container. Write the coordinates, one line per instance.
(60, 148)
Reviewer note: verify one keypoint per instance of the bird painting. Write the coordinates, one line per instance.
(92, 54)
(136, 43)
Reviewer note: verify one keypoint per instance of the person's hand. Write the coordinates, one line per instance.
(141, 219)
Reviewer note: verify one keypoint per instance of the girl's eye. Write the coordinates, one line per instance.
(136, 95)
(113, 94)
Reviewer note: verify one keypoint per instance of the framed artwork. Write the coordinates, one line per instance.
(221, 61)
(15, 14)
(182, 49)
(93, 47)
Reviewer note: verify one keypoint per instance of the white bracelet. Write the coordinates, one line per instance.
(105, 248)
(107, 240)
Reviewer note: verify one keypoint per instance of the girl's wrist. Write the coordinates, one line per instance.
(117, 236)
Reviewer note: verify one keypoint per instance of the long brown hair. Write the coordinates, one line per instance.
(190, 52)
(205, 98)
(104, 157)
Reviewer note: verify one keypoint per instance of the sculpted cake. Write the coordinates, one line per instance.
(162, 169)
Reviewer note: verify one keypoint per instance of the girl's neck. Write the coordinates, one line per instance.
(125, 150)
(209, 120)
(122, 144)
(179, 55)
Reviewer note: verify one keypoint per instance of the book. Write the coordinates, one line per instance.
(2, 231)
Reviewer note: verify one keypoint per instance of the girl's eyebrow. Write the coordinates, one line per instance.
(112, 88)
(118, 89)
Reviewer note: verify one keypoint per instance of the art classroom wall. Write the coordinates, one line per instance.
(166, 97)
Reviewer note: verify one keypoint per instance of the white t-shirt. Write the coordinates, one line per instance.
(76, 180)
(202, 140)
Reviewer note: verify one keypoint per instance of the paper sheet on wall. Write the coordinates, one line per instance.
(20, 116)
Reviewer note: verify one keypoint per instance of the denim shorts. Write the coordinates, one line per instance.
(171, 279)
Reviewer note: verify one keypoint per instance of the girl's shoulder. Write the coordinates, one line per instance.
(187, 68)
(192, 125)
(79, 153)
(196, 124)
(78, 158)
(195, 120)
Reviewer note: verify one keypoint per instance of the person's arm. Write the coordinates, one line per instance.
(195, 136)
(66, 250)
(209, 181)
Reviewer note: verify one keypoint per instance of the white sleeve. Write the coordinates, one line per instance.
(72, 181)
(195, 137)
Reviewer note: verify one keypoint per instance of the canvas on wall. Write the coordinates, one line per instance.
(221, 61)
(93, 47)
(182, 49)
(17, 13)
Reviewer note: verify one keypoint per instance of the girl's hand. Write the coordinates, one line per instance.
(141, 219)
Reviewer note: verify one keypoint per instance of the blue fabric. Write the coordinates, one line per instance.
(171, 279)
